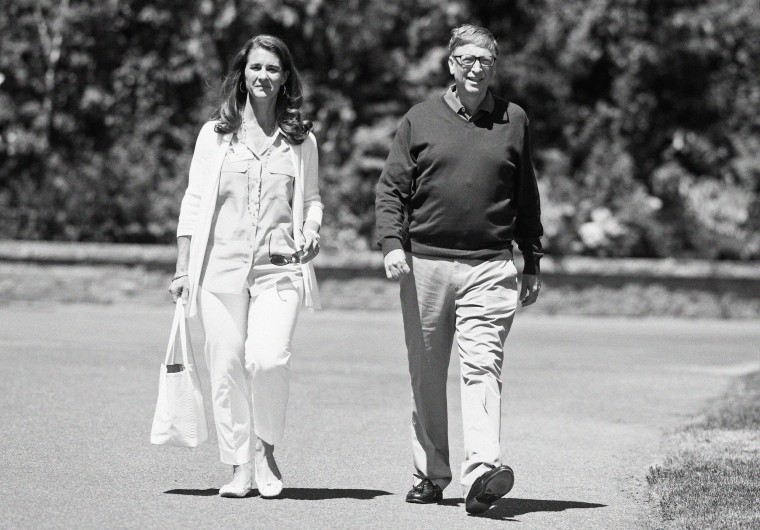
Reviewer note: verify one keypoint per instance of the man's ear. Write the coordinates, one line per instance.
(451, 65)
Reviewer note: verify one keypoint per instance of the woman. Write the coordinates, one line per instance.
(248, 228)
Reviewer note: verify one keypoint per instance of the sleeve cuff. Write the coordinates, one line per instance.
(390, 243)
(314, 212)
(531, 263)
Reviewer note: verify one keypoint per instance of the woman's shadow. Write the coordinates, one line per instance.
(507, 509)
(299, 494)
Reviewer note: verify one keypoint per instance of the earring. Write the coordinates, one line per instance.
(242, 86)
(284, 90)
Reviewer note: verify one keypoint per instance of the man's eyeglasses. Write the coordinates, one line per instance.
(468, 61)
(282, 259)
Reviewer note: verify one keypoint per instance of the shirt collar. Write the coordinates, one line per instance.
(250, 117)
(487, 105)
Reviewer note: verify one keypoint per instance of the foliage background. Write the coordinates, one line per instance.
(645, 113)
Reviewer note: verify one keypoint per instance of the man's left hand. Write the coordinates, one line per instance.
(531, 284)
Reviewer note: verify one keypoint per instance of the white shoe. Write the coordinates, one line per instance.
(269, 487)
(235, 490)
(269, 490)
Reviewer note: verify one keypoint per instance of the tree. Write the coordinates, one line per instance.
(644, 113)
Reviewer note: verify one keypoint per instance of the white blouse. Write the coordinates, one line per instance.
(199, 205)
(253, 217)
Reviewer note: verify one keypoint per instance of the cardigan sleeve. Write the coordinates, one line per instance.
(312, 202)
(191, 202)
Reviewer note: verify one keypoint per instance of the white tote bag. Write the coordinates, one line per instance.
(180, 417)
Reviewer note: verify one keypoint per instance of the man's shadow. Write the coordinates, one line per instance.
(299, 494)
(509, 508)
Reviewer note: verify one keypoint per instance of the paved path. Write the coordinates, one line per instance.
(586, 404)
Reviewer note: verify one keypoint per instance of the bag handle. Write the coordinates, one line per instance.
(183, 334)
(178, 324)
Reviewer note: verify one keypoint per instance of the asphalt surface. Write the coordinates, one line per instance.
(587, 402)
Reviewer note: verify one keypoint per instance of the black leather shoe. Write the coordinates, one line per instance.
(488, 488)
(426, 492)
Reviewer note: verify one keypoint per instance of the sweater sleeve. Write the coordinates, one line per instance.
(528, 229)
(191, 201)
(394, 190)
(312, 202)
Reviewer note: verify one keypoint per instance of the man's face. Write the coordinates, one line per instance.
(472, 79)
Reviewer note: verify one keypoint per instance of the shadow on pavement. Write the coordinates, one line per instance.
(507, 509)
(511, 507)
(198, 493)
(300, 494)
(319, 494)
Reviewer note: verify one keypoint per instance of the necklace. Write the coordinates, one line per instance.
(243, 133)
(263, 160)
(269, 131)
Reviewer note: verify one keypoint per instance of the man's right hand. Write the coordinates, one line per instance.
(395, 264)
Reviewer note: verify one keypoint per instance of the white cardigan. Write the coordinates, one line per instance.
(197, 210)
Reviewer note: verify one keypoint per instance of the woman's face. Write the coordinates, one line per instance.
(264, 74)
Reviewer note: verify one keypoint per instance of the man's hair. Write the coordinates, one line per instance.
(472, 34)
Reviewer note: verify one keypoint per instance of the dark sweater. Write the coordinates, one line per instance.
(467, 189)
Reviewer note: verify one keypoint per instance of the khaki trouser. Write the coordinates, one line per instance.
(476, 299)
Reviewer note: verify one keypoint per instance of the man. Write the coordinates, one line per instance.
(457, 188)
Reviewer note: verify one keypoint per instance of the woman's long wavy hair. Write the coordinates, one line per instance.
(288, 106)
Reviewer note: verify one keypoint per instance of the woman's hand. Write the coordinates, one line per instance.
(310, 246)
(180, 287)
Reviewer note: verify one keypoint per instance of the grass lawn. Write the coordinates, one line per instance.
(712, 478)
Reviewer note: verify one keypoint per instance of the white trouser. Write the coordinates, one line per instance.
(248, 354)
(477, 300)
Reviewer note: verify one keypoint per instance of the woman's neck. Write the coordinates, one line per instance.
(264, 112)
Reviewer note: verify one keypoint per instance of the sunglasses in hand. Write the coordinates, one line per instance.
(283, 259)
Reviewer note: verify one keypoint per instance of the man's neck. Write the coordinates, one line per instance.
(470, 101)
